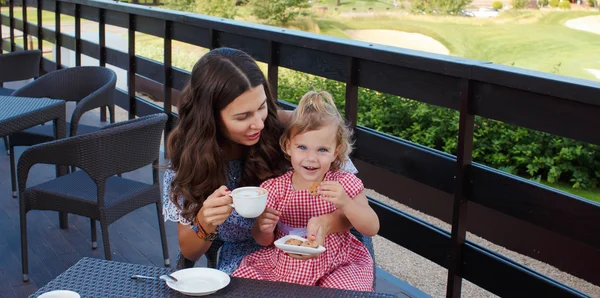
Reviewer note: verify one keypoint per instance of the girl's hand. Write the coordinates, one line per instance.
(267, 221)
(317, 230)
(332, 191)
(215, 209)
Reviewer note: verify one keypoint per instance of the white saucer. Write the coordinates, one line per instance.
(198, 281)
(59, 294)
(298, 250)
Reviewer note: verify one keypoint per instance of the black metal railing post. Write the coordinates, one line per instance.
(351, 103)
(461, 190)
(273, 68)
(77, 35)
(40, 38)
(214, 40)
(25, 29)
(102, 47)
(167, 87)
(1, 41)
(11, 15)
(57, 36)
(131, 71)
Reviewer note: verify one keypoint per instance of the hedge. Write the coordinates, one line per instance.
(513, 149)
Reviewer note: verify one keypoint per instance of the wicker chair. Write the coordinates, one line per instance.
(211, 257)
(90, 87)
(95, 191)
(22, 65)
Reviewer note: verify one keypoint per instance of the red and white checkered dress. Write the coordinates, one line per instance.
(346, 262)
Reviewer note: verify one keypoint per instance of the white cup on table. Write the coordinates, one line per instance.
(60, 294)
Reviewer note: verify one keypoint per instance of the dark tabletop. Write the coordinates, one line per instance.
(100, 278)
(19, 113)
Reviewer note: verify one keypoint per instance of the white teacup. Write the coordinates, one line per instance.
(249, 201)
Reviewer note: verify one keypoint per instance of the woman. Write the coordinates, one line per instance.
(227, 136)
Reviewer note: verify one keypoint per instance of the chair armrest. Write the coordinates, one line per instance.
(105, 96)
(64, 152)
(121, 123)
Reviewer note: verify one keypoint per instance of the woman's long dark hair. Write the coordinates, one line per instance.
(218, 78)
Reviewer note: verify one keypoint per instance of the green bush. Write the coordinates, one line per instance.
(497, 5)
(542, 3)
(592, 3)
(182, 5)
(519, 4)
(564, 5)
(554, 3)
(279, 12)
(439, 6)
(217, 8)
(509, 148)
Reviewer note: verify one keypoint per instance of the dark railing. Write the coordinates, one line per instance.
(511, 206)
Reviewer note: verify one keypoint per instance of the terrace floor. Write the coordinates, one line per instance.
(134, 238)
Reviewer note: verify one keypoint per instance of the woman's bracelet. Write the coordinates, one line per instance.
(201, 233)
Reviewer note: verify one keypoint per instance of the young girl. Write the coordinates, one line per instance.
(317, 143)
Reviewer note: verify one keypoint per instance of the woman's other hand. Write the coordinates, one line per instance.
(215, 209)
(267, 221)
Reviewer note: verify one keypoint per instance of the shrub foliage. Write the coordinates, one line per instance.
(513, 149)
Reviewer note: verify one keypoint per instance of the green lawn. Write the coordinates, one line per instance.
(358, 5)
(531, 40)
(47, 16)
(590, 194)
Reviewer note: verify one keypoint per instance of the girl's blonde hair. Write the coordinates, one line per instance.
(316, 110)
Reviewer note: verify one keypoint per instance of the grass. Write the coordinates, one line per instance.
(47, 16)
(531, 40)
(358, 6)
(590, 194)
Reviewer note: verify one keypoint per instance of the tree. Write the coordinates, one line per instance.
(279, 12)
(519, 4)
(440, 6)
(218, 8)
(181, 5)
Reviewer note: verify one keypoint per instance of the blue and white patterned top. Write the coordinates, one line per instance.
(236, 231)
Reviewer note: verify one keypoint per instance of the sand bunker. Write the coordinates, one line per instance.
(589, 24)
(595, 72)
(414, 41)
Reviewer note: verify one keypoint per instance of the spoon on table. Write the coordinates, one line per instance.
(164, 277)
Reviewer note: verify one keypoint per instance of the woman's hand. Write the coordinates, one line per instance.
(215, 209)
(317, 230)
(267, 221)
(332, 191)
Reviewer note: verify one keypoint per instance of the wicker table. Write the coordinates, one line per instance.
(101, 278)
(19, 113)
